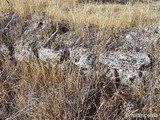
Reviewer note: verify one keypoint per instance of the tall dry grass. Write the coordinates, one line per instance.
(41, 91)
(116, 15)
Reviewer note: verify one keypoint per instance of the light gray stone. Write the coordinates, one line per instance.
(119, 60)
(4, 50)
(23, 53)
(153, 38)
(128, 65)
(46, 55)
(129, 38)
(129, 76)
(158, 29)
(147, 29)
(82, 57)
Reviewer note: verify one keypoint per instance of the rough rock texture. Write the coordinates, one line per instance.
(127, 64)
(4, 50)
(23, 53)
(46, 55)
(82, 57)
(126, 52)
(83, 75)
(120, 60)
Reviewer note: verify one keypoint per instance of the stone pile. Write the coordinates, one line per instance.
(127, 52)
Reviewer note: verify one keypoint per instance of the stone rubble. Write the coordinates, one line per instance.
(126, 53)
(82, 57)
(23, 53)
(46, 55)
(119, 60)
(4, 50)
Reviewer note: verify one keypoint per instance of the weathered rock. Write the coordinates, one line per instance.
(4, 50)
(153, 38)
(23, 53)
(46, 55)
(147, 29)
(121, 59)
(150, 34)
(82, 57)
(128, 65)
(127, 54)
(130, 76)
(158, 30)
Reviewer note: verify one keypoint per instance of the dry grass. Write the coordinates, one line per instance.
(45, 91)
(112, 15)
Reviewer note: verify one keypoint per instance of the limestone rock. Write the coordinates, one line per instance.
(46, 55)
(127, 54)
(130, 76)
(4, 50)
(82, 57)
(119, 60)
(23, 53)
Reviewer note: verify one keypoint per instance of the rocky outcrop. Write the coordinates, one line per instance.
(38, 38)
(119, 60)
(127, 64)
(127, 53)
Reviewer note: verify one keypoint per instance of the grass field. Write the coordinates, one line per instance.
(117, 15)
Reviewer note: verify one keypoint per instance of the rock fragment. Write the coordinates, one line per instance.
(82, 57)
(46, 55)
